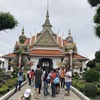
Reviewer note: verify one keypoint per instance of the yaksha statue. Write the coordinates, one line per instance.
(70, 45)
(21, 50)
(69, 50)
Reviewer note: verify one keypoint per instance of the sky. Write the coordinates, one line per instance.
(76, 15)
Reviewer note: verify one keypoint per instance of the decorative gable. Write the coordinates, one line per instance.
(46, 39)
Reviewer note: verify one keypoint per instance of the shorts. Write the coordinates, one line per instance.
(37, 85)
(57, 84)
(68, 84)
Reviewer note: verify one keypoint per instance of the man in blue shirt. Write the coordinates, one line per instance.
(19, 80)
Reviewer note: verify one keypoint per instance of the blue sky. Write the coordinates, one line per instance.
(76, 15)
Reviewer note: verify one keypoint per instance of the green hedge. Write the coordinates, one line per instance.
(91, 75)
(3, 89)
(98, 91)
(90, 90)
(8, 85)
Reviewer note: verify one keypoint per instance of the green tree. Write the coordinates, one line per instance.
(7, 21)
(97, 67)
(91, 75)
(97, 57)
(90, 64)
(97, 54)
(96, 3)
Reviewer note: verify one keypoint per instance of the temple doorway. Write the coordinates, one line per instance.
(46, 64)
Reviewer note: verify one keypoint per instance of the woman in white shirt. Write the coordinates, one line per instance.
(68, 80)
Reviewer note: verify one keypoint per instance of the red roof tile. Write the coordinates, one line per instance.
(77, 56)
(45, 52)
(10, 55)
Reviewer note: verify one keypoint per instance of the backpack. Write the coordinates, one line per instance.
(56, 80)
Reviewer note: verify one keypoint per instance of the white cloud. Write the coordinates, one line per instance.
(92, 56)
(4, 47)
(64, 14)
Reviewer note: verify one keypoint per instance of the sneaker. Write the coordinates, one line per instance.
(53, 96)
(48, 93)
(45, 94)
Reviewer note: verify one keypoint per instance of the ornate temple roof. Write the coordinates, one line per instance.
(46, 39)
(47, 25)
(40, 43)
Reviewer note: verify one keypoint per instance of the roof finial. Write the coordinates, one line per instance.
(69, 33)
(47, 8)
(47, 22)
(23, 30)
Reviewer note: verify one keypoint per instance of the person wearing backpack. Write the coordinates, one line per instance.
(53, 76)
(20, 76)
(57, 82)
(28, 76)
(45, 81)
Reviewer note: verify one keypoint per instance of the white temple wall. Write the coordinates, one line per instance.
(2, 65)
(6, 64)
(83, 66)
(35, 60)
(55, 61)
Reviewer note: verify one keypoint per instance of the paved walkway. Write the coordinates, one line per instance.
(59, 96)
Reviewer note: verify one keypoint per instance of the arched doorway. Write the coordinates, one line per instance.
(46, 64)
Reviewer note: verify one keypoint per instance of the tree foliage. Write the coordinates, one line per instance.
(97, 67)
(96, 3)
(97, 54)
(91, 64)
(97, 57)
(91, 75)
(7, 21)
(90, 90)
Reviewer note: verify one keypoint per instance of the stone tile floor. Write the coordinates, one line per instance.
(59, 96)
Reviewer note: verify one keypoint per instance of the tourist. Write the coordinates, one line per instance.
(53, 76)
(68, 80)
(57, 85)
(19, 80)
(29, 77)
(27, 95)
(38, 78)
(62, 77)
(31, 74)
(45, 80)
